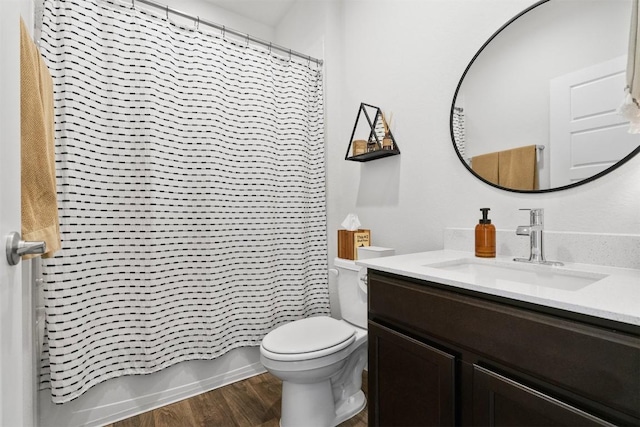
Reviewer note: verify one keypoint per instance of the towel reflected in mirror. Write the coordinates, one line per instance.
(514, 169)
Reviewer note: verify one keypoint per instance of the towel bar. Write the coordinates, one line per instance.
(538, 148)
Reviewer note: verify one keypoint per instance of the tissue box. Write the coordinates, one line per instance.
(349, 242)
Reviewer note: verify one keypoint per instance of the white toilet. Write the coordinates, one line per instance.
(320, 359)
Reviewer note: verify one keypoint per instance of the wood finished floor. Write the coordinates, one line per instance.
(252, 402)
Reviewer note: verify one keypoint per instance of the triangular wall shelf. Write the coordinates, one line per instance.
(371, 139)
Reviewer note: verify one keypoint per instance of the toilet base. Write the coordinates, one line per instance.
(350, 407)
(312, 405)
(307, 404)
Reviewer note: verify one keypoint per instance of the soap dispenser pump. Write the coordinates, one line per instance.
(485, 236)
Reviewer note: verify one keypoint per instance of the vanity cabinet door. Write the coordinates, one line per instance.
(410, 383)
(500, 401)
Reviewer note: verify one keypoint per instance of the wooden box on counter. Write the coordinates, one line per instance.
(349, 241)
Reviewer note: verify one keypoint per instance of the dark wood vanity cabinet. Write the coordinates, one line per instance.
(417, 381)
(500, 401)
(441, 356)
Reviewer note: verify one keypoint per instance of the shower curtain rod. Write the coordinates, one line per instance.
(225, 30)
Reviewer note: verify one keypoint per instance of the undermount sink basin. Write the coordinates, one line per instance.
(489, 272)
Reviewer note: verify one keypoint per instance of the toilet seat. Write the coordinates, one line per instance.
(306, 339)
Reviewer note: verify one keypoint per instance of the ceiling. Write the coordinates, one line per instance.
(268, 12)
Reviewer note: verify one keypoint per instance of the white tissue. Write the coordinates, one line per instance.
(351, 222)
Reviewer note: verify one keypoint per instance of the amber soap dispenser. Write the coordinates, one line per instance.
(485, 236)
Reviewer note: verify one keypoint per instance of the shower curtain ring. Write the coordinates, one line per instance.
(269, 47)
(197, 23)
(133, 4)
(247, 35)
(289, 54)
(224, 32)
(167, 12)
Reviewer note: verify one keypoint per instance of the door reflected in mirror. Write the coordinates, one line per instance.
(551, 79)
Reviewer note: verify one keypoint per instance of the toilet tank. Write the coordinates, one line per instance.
(352, 297)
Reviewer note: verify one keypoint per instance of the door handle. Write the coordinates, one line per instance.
(16, 248)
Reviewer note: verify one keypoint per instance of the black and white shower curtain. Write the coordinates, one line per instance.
(457, 126)
(191, 188)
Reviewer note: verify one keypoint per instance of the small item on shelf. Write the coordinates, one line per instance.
(359, 146)
(485, 236)
(372, 145)
(387, 142)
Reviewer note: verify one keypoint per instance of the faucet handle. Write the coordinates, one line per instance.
(536, 215)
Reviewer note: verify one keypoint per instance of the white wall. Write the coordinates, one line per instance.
(207, 11)
(407, 57)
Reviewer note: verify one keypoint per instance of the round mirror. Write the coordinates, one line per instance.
(535, 110)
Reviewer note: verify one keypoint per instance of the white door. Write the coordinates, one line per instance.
(587, 136)
(16, 389)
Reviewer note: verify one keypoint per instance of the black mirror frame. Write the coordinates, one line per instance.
(453, 104)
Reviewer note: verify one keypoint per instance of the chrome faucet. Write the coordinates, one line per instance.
(535, 232)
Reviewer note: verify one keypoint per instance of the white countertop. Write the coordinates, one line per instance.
(615, 296)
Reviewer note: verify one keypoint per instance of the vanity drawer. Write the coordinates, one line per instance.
(594, 363)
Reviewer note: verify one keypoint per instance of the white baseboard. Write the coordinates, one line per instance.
(123, 397)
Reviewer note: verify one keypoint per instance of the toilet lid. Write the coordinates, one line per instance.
(311, 335)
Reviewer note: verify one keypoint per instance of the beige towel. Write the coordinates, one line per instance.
(517, 168)
(486, 166)
(39, 202)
